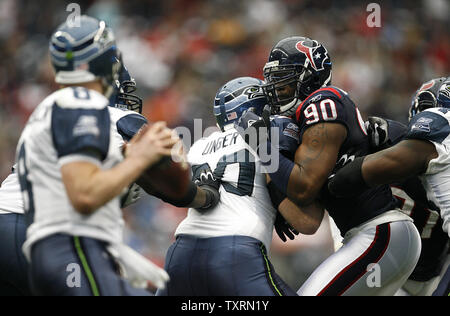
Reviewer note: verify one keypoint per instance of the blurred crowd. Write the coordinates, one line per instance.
(181, 51)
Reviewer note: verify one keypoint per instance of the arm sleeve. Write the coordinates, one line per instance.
(288, 135)
(80, 131)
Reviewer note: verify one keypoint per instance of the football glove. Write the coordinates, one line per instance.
(132, 195)
(251, 124)
(377, 130)
(210, 184)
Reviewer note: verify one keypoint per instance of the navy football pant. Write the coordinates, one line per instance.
(443, 288)
(221, 266)
(63, 265)
(13, 265)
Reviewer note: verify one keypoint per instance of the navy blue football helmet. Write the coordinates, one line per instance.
(85, 53)
(443, 99)
(123, 97)
(428, 94)
(297, 67)
(235, 98)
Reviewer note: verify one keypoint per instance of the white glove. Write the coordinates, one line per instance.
(132, 195)
(137, 269)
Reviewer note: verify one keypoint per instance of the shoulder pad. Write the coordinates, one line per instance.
(129, 124)
(431, 125)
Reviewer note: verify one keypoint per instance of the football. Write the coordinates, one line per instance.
(168, 178)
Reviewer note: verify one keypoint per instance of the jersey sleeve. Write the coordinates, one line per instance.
(396, 132)
(129, 125)
(287, 135)
(428, 125)
(80, 130)
(324, 105)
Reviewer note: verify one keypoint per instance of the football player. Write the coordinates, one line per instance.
(224, 250)
(418, 161)
(378, 238)
(125, 114)
(72, 172)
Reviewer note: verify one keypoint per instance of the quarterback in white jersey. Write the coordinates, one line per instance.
(47, 143)
(223, 250)
(126, 121)
(72, 170)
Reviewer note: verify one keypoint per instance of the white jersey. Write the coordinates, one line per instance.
(125, 124)
(244, 208)
(62, 126)
(434, 125)
(10, 196)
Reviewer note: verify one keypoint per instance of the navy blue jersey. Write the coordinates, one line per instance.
(332, 105)
(288, 135)
(130, 124)
(413, 201)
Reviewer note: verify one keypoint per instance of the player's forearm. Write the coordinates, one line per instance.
(205, 198)
(302, 190)
(406, 159)
(89, 187)
(290, 180)
(306, 219)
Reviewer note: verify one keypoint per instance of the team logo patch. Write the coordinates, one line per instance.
(86, 125)
(316, 55)
(422, 124)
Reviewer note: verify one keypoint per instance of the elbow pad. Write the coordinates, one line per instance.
(348, 181)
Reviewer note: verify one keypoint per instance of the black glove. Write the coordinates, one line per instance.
(131, 196)
(250, 124)
(283, 229)
(377, 130)
(206, 180)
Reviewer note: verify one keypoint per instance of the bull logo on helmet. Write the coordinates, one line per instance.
(316, 54)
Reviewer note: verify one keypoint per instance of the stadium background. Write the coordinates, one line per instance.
(181, 51)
